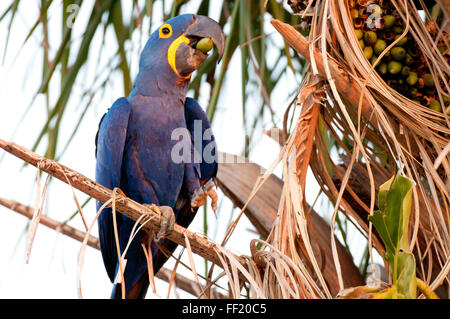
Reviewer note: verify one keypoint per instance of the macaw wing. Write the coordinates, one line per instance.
(202, 138)
(204, 143)
(110, 144)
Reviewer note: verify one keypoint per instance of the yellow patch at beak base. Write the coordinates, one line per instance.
(172, 52)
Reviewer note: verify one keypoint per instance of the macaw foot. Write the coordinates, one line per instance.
(167, 220)
(200, 195)
(119, 191)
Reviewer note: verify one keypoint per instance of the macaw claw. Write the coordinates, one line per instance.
(200, 195)
(167, 220)
(119, 191)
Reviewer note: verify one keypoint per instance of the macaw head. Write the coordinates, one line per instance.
(174, 45)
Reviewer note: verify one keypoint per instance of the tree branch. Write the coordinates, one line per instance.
(63, 228)
(126, 206)
(164, 274)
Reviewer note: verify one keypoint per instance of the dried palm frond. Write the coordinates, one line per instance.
(237, 180)
(378, 129)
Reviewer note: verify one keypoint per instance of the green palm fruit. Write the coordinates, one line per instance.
(428, 80)
(403, 64)
(394, 67)
(435, 105)
(412, 92)
(398, 53)
(368, 52)
(412, 78)
(204, 45)
(402, 42)
(409, 59)
(373, 59)
(445, 99)
(382, 68)
(362, 44)
(370, 37)
(405, 71)
(389, 21)
(397, 29)
(359, 34)
(379, 46)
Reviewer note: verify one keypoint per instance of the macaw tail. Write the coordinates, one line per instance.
(138, 291)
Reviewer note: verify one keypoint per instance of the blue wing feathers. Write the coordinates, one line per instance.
(110, 142)
(193, 112)
(208, 169)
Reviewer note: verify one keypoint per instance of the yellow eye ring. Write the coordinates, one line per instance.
(165, 31)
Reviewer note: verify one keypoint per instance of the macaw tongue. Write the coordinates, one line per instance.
(204, 45)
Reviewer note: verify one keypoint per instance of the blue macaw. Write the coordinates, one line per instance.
(136, 148)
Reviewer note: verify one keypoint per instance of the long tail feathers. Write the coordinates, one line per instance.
(138, 291)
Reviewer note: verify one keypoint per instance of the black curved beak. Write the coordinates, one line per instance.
(188, 57)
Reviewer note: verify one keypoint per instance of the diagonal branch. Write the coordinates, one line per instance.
(164, 274)
(126, 206)
(63, 228)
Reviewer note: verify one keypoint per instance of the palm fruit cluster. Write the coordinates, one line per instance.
(377, 25)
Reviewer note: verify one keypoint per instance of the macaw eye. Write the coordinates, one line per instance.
(165, 31)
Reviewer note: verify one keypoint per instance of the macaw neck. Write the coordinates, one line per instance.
(159, 81)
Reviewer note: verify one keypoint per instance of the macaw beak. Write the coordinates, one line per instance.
(187, 56)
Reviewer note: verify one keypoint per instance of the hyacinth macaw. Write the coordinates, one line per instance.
(138, 148)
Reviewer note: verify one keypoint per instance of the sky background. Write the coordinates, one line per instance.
(52, 270)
